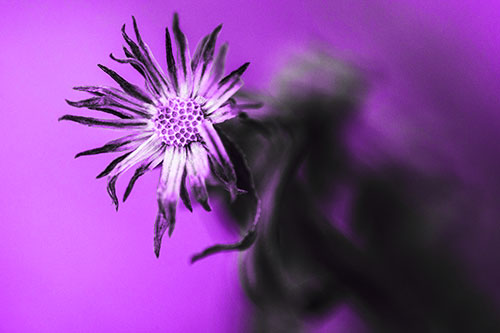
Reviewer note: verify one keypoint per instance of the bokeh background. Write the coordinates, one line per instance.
(70, 263)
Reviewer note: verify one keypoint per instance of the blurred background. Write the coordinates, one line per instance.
(376, 157)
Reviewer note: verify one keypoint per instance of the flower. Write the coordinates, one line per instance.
(173, 121)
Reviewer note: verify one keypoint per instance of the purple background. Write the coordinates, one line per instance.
(69, 262)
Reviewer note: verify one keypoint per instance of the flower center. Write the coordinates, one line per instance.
(177, 123)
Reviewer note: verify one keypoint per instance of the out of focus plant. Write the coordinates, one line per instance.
(380, 254)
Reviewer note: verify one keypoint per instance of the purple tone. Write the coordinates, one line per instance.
(70, 263)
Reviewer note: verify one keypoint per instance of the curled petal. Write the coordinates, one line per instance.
(121, 123)
(225, 112)
(112, 165)
(124, 143)
(143, 55)
(164, 220)
(100, 104)
(135, 64)
(241, 245)
(245, 181)
(138, 172)
(234, 74)
(222, 94)
(145, 151)
(149, 164)
(184, 194)
(110, 98)
(141, 69)
(111, 188)
(220, 162)
(128, 87)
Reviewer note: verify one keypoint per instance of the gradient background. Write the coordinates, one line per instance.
(69, 262)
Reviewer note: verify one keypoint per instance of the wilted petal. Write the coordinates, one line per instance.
(184, 194)
(112, 165)
(241, 245)
(112, 190)
(221, 164)
(142, 54)
(216, 72)
(141, 69)
(128, 87)
(122, 144)
(198, 168)
(115, 123)
(174, 163)
(114, 99)
(224, 90)
(145, 151)
(204, 64)
(164, 220)
(225, 112)
(149, 164)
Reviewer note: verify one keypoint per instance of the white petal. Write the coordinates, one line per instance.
(223, 113)
(174, 162)
(143, 152)
(221, 95)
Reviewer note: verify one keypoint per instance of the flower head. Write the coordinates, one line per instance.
(172, 120)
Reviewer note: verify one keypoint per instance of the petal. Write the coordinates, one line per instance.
(174, 163)
(112, 165)
(184, 194)
(111, 98)
(225, 112)
(112, 190)
(220, 162)
(227, 81)
(172, 70)
(199, 52)
(245, 181)
(124, 143)
(143, 54)
(224, 90)
(204, 63)
(121, 164)
(148, 165)
(99, 104)
(197, 167)
(115, 123)
(138, 172)
(136, 64)
(245, 243)
(145, 152)
(184, 72)
(164, 219)
(128, 87)
(139, 66)
(216, 72)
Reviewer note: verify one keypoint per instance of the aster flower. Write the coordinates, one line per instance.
(173, 122)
